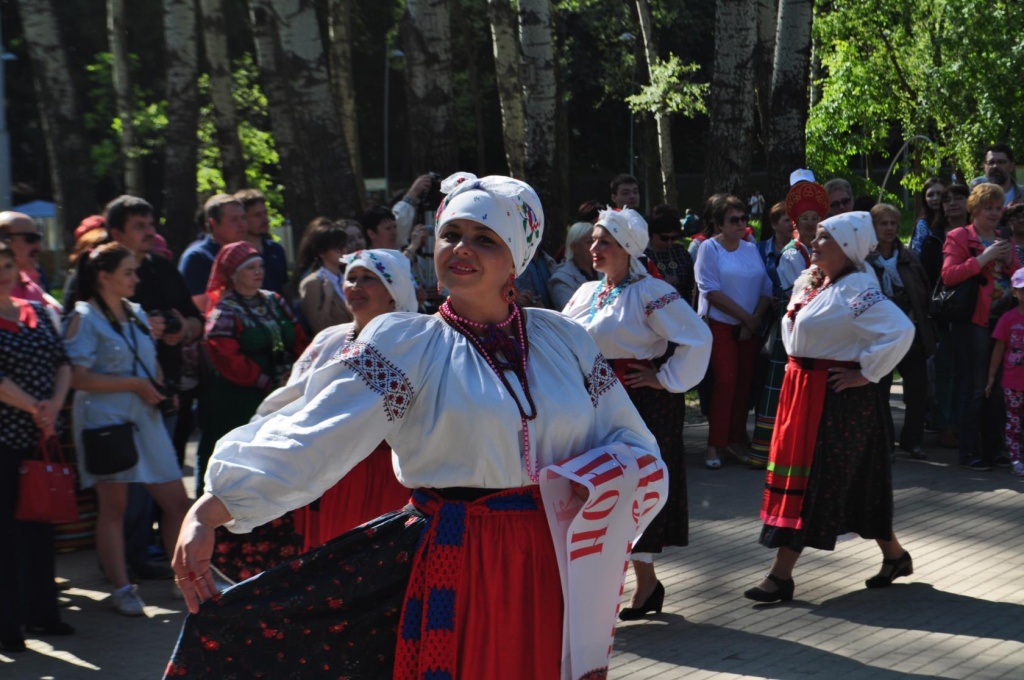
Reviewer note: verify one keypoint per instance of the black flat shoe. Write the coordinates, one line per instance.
(12, 642)
(783, 593)
(652, 605)
(901, 566)
(56, 628)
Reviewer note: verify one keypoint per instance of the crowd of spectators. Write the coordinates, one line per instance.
(198, 343)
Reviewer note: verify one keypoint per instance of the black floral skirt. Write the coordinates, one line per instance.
(850, 486)
(330, 613)
(663, 413)
(242, 556)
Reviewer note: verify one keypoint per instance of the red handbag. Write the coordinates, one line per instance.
(46, 487)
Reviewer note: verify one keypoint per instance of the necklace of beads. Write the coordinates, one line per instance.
(604, 296)
(502, 353)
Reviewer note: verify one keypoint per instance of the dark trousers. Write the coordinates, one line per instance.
(28, 594)
(913, 367)
(980, 417)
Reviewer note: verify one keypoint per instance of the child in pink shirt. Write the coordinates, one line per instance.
(1009, 352)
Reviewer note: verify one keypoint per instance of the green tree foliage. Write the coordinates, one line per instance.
(946, 69)
(254, 133)
(671, 90)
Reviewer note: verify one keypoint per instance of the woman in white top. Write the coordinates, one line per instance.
(476, 402)
(830, 471)
(735, 293)
(634, 317)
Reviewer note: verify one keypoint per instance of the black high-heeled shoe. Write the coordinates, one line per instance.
(52, 628)
(782, 593)
(901, 566)
(651, 605)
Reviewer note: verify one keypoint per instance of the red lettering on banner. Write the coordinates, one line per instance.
(593, 513)
(645, 505)
(602, 477)
(656, 476)
(595, 547)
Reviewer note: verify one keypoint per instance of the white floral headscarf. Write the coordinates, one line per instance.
(394, 271)
(509, 207)
(855, 234)
(629, 228)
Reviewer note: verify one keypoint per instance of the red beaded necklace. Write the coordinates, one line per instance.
(502, 353)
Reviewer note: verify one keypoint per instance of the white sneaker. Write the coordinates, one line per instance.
(127, 602)
(1018, 468)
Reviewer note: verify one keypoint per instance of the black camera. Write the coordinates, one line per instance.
(166, 405)
(172, 324)
(431, 198)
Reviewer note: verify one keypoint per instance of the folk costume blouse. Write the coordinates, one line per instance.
(850, 320)
(416, 382)
(639, 322)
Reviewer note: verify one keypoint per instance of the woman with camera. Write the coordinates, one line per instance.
(117, 423)
(252, 339)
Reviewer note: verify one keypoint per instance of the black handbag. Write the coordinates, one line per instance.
(110, 449)
(955, 304)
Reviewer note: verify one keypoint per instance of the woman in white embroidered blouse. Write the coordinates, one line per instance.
(735, 293)
(830, 472)
(633, 317)
(475, 402)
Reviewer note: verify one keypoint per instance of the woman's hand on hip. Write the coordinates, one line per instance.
(845, 378)
(643, 376)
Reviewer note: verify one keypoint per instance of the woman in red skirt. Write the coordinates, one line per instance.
(829, 468)
(483, 404)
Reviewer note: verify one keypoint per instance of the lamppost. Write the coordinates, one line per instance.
(628, 37)
(389, 54)
(5, 137)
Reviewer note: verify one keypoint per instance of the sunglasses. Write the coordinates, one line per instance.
(841, 203)
(30, 237)
(738, 219)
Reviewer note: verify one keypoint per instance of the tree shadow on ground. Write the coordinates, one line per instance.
(920, 606)
(705, 647)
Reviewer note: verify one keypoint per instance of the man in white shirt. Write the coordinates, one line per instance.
(999, 169)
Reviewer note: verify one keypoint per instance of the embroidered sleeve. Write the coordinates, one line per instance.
(600, 379)
(223, 322)
(654, 305)
(381, 376)
(866, 300)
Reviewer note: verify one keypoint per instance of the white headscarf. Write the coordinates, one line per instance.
(629, 228)
(855, 234)
(507, 206)
(394, 271)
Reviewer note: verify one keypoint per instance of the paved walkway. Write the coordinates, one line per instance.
(961, 615)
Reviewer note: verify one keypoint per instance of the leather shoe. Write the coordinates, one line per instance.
(54, 628)
(652, 605)
(782, 593)
(915, 452)
(712, 463)
(901, 566)
(11, 641)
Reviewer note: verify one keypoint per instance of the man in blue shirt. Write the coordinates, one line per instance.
(275, 262)
(225, 223)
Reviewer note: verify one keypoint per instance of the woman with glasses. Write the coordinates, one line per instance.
(978, 250)
(735, 293)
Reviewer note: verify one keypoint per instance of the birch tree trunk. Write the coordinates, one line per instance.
(666, 158)
(731, 104)
(787, 129)
(180, 201)
(298, 195)
(339, 17)
(61, 117)
(540, 94)
(764, 59)
(317, 122)
(221, 86)
(509, 84)
(425, 33)
(124, 97)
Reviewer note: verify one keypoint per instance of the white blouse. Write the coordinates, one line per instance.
(851, 320)
(639, 324)
(414, 381)
(791, 265)
(739, 274)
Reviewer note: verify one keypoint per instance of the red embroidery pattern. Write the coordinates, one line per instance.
(381, 376)
(600, 379)
(654, 305)
(866, 301)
